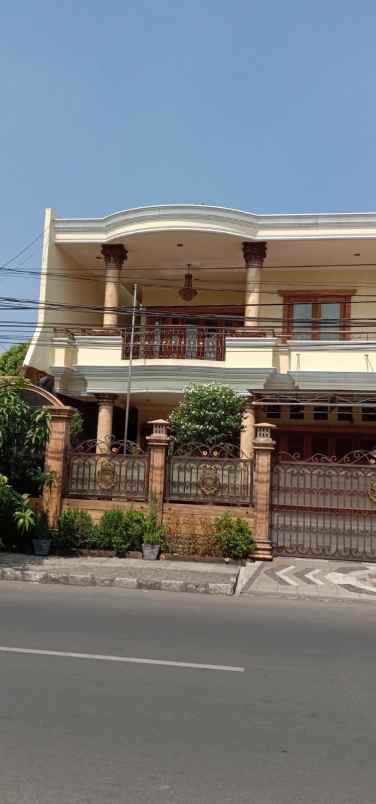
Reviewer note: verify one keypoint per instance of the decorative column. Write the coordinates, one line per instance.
(247, 435)
(158, 443)
(263, 447)
(114, 256)
(55, 461)
(104, 426)
(254, 254)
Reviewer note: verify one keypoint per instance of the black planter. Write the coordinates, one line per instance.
(41, 547)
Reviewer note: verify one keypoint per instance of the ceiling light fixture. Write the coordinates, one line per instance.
(187, 292)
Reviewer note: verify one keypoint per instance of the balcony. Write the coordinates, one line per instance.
(179, 342)
(167, 357)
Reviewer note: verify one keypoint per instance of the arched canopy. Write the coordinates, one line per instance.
(35, 396)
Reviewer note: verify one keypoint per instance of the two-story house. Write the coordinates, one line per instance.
(279, 307)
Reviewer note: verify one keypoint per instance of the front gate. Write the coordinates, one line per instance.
(324, 507)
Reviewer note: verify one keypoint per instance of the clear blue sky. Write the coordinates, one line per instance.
(263, 105)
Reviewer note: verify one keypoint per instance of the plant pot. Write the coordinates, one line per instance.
(150, 552)
(41, 547)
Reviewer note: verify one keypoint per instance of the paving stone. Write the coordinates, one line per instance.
(11, 574)
(55, 577)
(220, 589)
(81, 580)
(173, 586)
(126, 583)
(104, 581)
(34, 576)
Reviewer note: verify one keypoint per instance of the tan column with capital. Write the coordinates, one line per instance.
(114, 256)
(104, 425)
(158, 443)
(263, 447)
(254, 254)
(55, 462)
(247, 434)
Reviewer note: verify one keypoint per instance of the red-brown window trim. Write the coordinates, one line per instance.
(316, 299)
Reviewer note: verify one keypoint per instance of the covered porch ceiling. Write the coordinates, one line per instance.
(216, 258)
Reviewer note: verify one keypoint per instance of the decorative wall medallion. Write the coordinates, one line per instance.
(210, 482)
(105, 474)
(372, 490)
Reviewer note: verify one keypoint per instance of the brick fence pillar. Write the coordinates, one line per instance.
(158, 443)
(263, 450)
(55, 461)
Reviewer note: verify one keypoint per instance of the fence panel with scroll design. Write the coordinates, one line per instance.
(108, 473)
(212, 475)
(325, 507)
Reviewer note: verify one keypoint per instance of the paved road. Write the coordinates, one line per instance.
(298, 725)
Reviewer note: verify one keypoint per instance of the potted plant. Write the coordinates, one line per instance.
(41, 535)
(153, 534)
(24, 517)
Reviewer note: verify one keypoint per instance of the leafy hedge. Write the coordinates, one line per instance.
(116, 530)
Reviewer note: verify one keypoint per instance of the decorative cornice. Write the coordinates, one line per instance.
(199, 217)
(164, 379)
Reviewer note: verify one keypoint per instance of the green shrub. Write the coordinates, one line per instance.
(41, 528)
(136, 523)
(74, 530)
(11, 536)
(233, 536)
(155, 531)
(112, 531)
(120, 531)
(208, 413)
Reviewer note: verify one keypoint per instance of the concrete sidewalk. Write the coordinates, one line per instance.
(173, 576)
(294, 577)
(303, 577)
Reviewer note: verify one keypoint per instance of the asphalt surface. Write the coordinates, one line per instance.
(298, 725)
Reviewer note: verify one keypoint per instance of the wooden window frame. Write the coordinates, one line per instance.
(316, 299)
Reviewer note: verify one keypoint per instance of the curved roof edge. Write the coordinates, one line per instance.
(218, 220)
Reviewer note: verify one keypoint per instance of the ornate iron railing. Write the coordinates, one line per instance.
(102, 470)
(178, 341)
(324, 506)
(209, 474)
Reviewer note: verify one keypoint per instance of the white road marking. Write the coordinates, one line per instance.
(312, 575)
(353, 579)
(124, 659)
(283, 574)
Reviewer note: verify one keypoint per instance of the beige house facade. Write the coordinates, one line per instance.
(279, 307)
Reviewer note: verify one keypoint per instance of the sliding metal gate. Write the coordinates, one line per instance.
(325, 507)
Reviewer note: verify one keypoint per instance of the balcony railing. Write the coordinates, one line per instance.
(183, 342)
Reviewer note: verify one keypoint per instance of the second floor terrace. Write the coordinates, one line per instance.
(208, 290)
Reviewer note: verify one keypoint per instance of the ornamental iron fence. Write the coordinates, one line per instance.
(102, 470)
(325, 506)
(214, 474)
(179, 341)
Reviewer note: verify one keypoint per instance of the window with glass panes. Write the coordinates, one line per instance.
(316, 317)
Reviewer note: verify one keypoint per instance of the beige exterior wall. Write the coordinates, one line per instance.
(362, 281)
(66, 287)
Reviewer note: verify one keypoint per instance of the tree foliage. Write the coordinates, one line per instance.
(208, 413)
(24, 433)
(12, 360)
